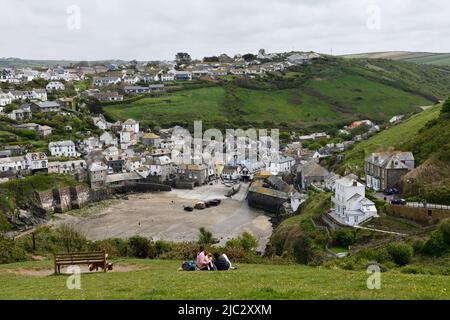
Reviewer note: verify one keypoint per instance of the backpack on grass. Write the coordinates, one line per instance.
(188, 265)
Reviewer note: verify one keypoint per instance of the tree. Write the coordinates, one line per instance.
(446, 106)
(401, 253)
(205, 237)
(249, 57)
(70, 238)
(248, 242)
(344, 237)
(141, 247)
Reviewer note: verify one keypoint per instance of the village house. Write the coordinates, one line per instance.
(90, 144)
(284, 164)
(330, 181)
(100, 122)
(54, 85)
(160, 169)
(5, 98)
(385, 169)
(150, 139)
(230, 173)
(133, 163)
(36, 161)
(136, 89)
(63, 149)
(47, 106)
(351, 207)
(193, 174)
(157, 88)
(12, 164)
(42, 130)
(127, 138)
(65, 102)
(108, 96)
(122, 179)
(251, 168)
(23, 113)
(115, 163)
(97, 176)
(106, 81)
(310, 173)
(107, 139)
(131, 80)
(131, 124)
(34, 94)
(67, 167)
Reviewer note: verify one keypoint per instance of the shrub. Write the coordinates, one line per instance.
(69, 238)
(10, 251)
(246, 242)
(141, 247)
(412, 270)
(446, 106)
(344, 237)
(378, 255)
(444, 228)
(401, 253)
(163, 247)
(418, 246)
(205, 237)
(435, 245)
(302, 250)
(114, 247)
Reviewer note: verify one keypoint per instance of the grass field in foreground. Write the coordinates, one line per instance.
(157, 279)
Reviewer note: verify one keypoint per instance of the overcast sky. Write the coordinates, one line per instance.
(150, 29)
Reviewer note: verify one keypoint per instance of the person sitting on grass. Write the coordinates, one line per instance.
(203, 261)
(221, 262)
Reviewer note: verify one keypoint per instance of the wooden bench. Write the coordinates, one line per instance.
(78, 258)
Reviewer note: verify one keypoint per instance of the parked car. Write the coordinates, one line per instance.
(390, 191)
(399, 202)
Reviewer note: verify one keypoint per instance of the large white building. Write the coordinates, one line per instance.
(63, 149)
(351, 207)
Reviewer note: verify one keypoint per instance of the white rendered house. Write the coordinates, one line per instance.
(63, 149)
(351, 207)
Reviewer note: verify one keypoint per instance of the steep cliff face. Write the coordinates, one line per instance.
(30, 201)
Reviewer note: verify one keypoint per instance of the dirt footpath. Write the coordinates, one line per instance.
(161, 217)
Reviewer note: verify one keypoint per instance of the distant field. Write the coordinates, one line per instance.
(417, 57)
(289, 105)
(187, 105)
(157, 279)
(363, 96)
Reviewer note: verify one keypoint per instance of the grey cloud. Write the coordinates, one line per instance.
(157, 29)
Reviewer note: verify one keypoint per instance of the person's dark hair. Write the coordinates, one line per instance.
(217, 254)
(201, 248)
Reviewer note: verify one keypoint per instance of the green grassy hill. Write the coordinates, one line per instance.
(396, 136)
(158, 279)
(328, 93)
(442, 59)
(427, 135)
